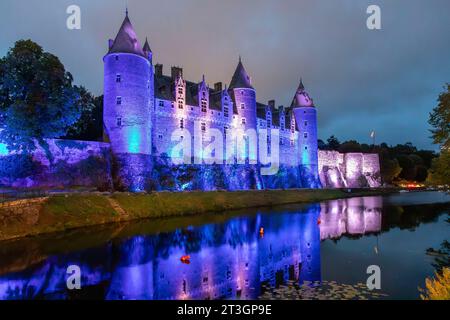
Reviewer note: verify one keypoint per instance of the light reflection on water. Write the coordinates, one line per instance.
(240, 258)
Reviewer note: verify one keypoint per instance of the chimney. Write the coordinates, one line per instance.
(176, 71)
(272, 104)
(158, 70)
(218, 86)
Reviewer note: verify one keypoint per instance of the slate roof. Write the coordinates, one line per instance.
(126, 40)
(240, 78)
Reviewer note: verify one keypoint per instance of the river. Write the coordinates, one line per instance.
(314, 251)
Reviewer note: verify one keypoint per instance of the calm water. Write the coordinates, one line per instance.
(267, 253)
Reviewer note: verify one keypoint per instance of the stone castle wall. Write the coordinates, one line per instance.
(349, 170)
(65, 163)
(60, 163)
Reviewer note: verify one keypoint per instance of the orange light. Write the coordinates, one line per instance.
(186, 259)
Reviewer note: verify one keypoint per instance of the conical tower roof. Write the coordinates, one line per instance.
(126, 40)
(302, 98)
(146, 47)
(240, 78)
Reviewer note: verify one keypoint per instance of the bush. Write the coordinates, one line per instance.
(437, 288)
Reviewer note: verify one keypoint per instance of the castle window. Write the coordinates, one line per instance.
(292, 142)
(161, 103)
(203, 94)
(242, 92)
(180, 104)
(243, 121)
(180, 90)
(117, 58)
(306, 123)
(160, 136)
(204, 105)
(242, 106)
(305, 135)
(203, 126)
(119, 101)
(119, 122)
(269, 123)
(225, 110)
(118, 78)
(181, 123)
(225, 131)
(306, 148)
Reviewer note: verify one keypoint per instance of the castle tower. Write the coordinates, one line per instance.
(128, 105)
(306, 119)
(244, 98)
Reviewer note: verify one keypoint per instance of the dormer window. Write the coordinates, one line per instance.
(204, 105)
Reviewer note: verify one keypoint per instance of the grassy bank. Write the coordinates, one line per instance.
(68, 212)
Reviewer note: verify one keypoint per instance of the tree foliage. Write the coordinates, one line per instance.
(440, 119)
(440, 169)
(37, 97)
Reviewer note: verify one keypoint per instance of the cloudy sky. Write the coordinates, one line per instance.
(386, 80)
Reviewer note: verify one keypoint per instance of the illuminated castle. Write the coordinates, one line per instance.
(143, 108)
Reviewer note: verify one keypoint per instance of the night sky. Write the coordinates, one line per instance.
(386, 80)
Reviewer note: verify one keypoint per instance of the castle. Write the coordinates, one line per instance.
(143, 107)
(162, 132)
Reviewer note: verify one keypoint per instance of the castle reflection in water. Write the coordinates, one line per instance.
(230, 260)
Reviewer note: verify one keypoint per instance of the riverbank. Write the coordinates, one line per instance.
(59, 213)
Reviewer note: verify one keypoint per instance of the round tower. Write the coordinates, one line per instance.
(128, 103)
(244, 97)
(306, 119)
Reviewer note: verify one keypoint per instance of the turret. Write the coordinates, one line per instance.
(306, 120)
(128, 103)
(244, 98)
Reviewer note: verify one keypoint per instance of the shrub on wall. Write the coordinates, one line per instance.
(17, 166)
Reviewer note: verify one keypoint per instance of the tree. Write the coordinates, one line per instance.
(37, 98)
(333, 143)
(440, 119)
(350, 146)
(440, 169)
(90, 125)
(390, 169)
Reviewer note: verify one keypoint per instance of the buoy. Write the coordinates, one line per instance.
(186, 259)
